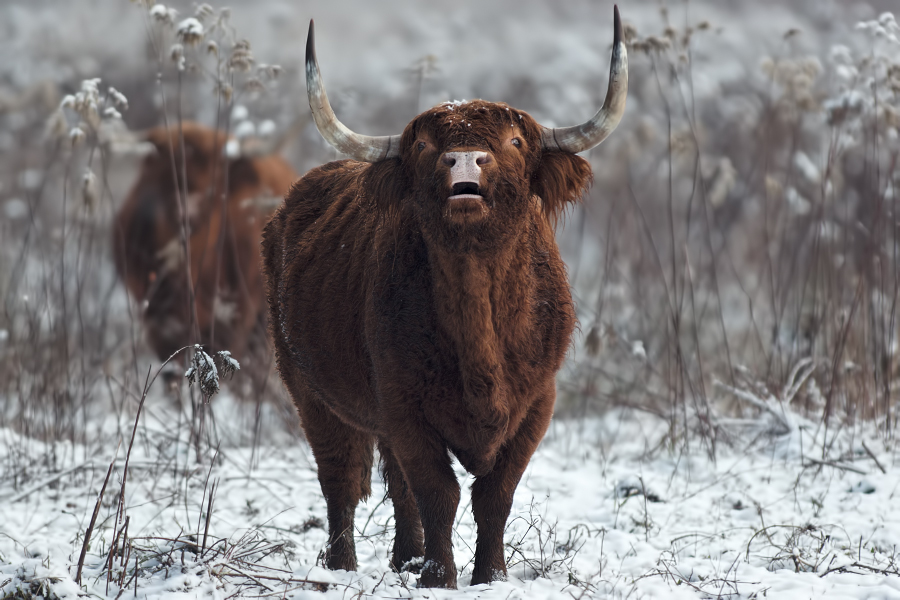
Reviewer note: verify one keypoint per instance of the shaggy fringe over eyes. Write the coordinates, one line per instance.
(560, 179)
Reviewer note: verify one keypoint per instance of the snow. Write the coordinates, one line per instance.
(609, 507)
(606, 509)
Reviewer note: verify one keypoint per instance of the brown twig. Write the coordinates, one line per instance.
(874, 458)
(90, 529)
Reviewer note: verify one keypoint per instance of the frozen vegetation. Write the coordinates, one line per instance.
(725, 425)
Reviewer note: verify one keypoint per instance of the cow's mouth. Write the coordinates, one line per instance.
(466, 205)
(465, 190)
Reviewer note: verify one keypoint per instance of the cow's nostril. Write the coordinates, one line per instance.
(484, 159)
(448, 160)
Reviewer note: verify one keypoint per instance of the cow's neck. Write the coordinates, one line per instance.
(478, 300)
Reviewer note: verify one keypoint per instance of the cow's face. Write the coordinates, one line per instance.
(470, 167)
(475, 169)
(204, 164)
(202, 155)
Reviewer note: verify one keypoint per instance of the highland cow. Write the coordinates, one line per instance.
(418, 303)
(214, 294)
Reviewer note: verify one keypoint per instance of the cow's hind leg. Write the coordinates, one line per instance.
(492, 494)
(408, 541)
(344, 458)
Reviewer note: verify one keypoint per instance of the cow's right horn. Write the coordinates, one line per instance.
(361, 147)
(579, 138)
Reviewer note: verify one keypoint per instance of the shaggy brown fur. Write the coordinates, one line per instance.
(227, 311)
(424, 327)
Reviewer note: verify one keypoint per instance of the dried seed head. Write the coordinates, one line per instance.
(629, 32)
(658, 45)
(86, 102)
(270, 72)
(228, 364)
(203, 11)
(57, 126)
(224, 90)
(77, 135)
(241, 57)
(176, 53)
(118, 98)
(163, 15)
(190, 31)
(203, 371)
(212, 48)
(89, 190)
(254, 85)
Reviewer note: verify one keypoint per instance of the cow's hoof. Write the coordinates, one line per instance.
(435, 575)
(413, 565)
(488, 576)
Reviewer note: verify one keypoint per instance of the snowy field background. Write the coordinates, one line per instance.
(605, 510)
(725, 426)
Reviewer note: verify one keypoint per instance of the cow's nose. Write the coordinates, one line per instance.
(466, 166)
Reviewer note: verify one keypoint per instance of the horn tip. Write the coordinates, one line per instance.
(311, 43)
(617, 26)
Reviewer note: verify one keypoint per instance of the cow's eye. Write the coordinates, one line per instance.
(517, 142)
(421, 146)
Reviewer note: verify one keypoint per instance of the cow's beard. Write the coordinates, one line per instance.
(506, 202)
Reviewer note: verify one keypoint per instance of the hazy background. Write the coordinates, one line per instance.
(741, 222)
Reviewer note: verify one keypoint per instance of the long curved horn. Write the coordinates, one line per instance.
(361, 147)
(579, 138)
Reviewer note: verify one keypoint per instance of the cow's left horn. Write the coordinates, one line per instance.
(579, 138)
(361, 147)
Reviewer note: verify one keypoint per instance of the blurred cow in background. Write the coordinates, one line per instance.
(187, 242)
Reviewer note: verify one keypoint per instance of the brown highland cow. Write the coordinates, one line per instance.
(418, 301)
(226, 206)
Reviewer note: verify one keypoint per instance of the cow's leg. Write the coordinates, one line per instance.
(426, 465)
(408, 542)
(344, 457)
(492, 494)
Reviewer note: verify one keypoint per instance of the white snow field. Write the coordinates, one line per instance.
(608, 508)
(783, 268)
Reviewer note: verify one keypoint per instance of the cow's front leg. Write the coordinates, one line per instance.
(426, 464)
(408, 542)
(492, 493)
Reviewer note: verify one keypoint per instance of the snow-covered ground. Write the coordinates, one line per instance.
(608, 508)
(786, 110)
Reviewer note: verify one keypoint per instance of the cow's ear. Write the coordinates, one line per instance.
(560, 179)
(386, 183)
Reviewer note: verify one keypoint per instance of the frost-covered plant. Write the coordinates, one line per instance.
(204, 371)
(207, 45)
(97, 119)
